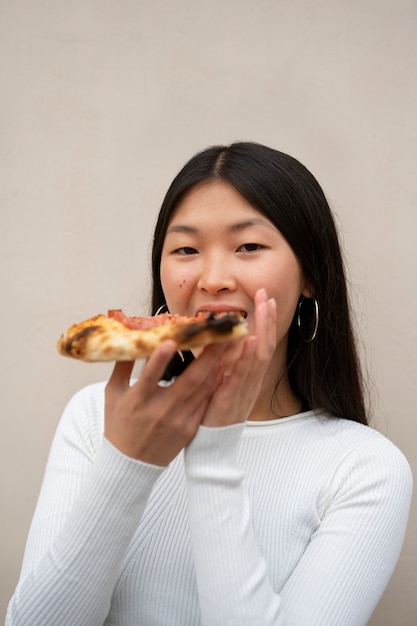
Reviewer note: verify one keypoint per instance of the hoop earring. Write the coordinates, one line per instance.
(316, 319)
(163, 306)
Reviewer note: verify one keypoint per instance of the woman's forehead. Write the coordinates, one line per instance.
(216, 201)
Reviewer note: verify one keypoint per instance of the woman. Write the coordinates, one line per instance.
(248, 489)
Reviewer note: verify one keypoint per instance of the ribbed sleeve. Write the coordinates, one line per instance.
(72, 582)
(231, 575)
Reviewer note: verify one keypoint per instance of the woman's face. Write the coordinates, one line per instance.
(219, 251)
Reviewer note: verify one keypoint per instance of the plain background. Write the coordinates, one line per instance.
(103, 101)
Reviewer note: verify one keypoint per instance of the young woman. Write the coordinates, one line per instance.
(241, 485)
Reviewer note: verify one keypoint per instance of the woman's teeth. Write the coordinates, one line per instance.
(220, 314)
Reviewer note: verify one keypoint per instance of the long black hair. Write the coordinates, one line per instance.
(324, 373)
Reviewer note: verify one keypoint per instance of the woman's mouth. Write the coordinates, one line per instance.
(219, 314)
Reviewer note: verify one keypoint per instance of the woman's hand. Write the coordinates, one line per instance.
(235, 397)
(152, 423)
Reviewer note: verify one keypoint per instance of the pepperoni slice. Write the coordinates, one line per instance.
(143, 323)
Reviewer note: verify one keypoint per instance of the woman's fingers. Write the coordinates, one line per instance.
(156, 366)
(153, 423)
(117, 385)
(265, 324)
(119, 380)
(121, 374)
(239, 390)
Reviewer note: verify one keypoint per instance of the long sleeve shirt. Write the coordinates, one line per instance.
(297, 521)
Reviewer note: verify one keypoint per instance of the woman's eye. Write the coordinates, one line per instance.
(185, 250)
(250, 247)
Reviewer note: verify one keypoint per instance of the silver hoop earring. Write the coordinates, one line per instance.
(161, 308)
(316, 319)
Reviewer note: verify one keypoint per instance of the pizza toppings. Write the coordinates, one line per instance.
(142, 323)
(118, 337)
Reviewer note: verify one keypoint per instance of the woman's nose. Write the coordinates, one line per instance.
(216, 277)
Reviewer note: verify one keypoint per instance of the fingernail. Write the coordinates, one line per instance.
(263, 296)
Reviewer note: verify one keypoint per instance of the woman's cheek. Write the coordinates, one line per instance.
(176, 294)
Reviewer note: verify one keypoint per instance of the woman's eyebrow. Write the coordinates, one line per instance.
(185, 228)
(248, 223)
(181, 228)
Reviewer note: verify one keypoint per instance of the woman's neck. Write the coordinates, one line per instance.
(274, 400)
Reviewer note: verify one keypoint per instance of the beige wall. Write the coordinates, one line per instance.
(102, 101)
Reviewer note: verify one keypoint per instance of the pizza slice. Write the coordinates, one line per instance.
(117, 337)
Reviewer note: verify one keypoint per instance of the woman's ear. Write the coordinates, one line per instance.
(308, 291)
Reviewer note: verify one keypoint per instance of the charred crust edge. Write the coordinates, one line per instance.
(218, 324)
(74, 344)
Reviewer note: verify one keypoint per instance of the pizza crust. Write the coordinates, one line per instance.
(101, 338)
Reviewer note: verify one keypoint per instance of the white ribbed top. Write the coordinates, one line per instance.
(295, 522)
